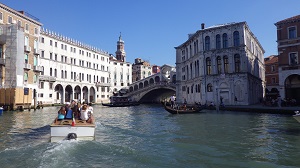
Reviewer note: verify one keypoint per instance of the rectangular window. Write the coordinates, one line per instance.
(50, 95)
(26, 27)
(51, 42)
(292, 32)
(42, 40)
(9, 19)
(273, 80)
(42, 54)
(42, 85)
(19, 24)
(62, 46)
(51, 56)
(293, 58)
(35, 31)
(50, 85)
(273, 68)
(1, 16)
(55, 44)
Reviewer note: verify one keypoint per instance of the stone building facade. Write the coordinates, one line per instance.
(288, 42)
(272, 77)
(140, 69)
(19, 52)
(220, 63)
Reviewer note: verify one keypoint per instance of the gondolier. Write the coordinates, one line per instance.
(172, 99)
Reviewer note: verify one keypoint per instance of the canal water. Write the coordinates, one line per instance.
(148, 136)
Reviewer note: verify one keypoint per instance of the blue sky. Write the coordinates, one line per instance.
(152, 28)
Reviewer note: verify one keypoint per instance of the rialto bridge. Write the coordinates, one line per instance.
(154, 88)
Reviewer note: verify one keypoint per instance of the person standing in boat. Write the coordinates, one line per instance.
(172, 98)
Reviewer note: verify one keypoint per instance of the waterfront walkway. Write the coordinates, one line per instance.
(260, 109)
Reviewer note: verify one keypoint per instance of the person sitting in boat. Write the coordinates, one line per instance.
(85, 114)
(61, 113)
(69, 112)
(90, 108)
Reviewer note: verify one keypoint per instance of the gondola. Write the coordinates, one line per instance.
(186, 110)
(125, 104)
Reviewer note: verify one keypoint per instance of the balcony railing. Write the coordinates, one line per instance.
(27, 66)
(102, 84)
(47, 78)
(27, 48)
(38, 68)
(36, 51)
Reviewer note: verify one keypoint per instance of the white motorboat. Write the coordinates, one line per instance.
(297, 116)
(65, 130)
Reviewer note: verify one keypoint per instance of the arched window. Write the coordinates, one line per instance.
(226, 65)
(237, 63)
(188, 90)
(191, 66)
(208, 66)
(35, 78)
(192, 88)
(25, 77)
(198, 88)
(50, 71)
(225, 41)
(219, 65)
(209, 87)
(218, 41)
(207, 43)
(236, 39)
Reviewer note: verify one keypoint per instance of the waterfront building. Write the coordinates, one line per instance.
(120, 70)
(272, 77)
(72, 70)
(140, 69)
(155, 69)
(288, 43)
(19, 54)
(220, 63)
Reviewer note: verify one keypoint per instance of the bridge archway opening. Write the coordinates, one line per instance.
(157, 95)
(146, 83)
(136, 87)
(141, 85)
(151, 81)
(157, 79)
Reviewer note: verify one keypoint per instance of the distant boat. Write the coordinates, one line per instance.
(297, 116)
(63, 130)
(123, 104)
(187, 110)
(120, 101)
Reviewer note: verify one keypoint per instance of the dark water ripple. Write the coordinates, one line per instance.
(148, 136)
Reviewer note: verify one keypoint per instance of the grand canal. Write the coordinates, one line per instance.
(148, 136)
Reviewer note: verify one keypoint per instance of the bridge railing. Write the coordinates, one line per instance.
(150, 86)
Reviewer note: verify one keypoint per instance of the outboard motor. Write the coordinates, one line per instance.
(72, 136)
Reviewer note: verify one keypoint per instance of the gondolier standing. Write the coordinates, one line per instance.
(172, 98)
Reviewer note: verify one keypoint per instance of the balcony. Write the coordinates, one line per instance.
(27, 48)
(38, 68)
(102, 84)
(47, 78)
(2, 61)
(27, 66)
(36, 51)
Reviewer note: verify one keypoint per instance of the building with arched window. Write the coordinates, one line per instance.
(227, 64)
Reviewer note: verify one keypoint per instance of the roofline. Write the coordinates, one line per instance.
(19, 14)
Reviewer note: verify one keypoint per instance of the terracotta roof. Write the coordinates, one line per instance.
(294, 18)
(271, 59)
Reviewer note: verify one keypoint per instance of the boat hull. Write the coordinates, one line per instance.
(297, 117)
(60, 130)
(182, 111)
(120, 104)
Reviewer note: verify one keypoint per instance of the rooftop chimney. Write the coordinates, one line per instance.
(202, 26)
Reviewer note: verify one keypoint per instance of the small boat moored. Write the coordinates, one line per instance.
(185, 110)
(297, 116)
(120, 101)
(67, 129)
